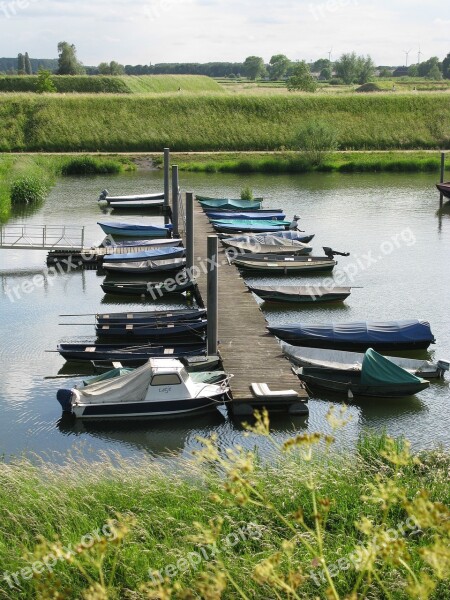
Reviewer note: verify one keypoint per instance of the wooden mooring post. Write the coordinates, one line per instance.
(189, 231)
(212, 293)
(166, 185)
(175, 201)
(441, 197)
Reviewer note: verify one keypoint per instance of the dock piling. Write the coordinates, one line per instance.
(189, 231)
(175, 200)
(212, 293)
(166, 185)
(441, 197)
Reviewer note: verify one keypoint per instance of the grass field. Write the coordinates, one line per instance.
(202, 122)
(313, 523)
(145, 84)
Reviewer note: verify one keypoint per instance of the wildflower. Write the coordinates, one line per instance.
(337, 421)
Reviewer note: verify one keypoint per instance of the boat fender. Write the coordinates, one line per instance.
(64, 397)
(349, 394)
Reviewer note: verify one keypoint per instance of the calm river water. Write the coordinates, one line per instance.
(389, 221)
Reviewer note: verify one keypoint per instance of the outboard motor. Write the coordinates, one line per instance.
(64, 397)
(330, 253)
(294, 223)
(103, 195)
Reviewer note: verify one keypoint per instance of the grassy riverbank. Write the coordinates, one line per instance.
(208, 122)
(28, 179)
(297, 162)
(375, 522)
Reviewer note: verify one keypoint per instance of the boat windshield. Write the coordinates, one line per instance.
(166, 379)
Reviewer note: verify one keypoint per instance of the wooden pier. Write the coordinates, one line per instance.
(248, 352)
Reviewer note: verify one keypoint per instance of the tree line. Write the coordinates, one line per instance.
(348, 69)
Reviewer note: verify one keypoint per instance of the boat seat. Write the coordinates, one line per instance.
(262, 390)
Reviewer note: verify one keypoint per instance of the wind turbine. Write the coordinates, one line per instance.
(419, 54)
(407, 55)
(329, 53)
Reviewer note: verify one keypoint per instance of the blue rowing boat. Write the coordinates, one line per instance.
(155, 254)
(358, 337)
(135, 230)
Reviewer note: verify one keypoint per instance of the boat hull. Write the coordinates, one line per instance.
(444, 188)
(127, 354)
(151, 317)
(165, 331)
(135, 231)
(304, 296)
(155, 291)
(345, 382)
(145, 266)
(279, 266)
(134, 204)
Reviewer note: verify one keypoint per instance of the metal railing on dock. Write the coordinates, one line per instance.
(42, 237)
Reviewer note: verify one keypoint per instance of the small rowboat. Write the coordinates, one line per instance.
(104, 196)
(301, 294)
(153, 254)
(238, 225)
(247, 244)
(220, 204)
(142, 267)
(170, 243)
(378, 377)
(134, 230)
(127, 353)
(339, 360)
(383, 335)
(146, 288)
(281, 238)
(444, 188)
(274, 263)
(155, 316)
(161, 387)
(135, 204)
(153, 330)
(246, 216)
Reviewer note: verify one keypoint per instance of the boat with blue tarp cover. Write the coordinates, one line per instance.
(358, 336)
(155, 254)
(135, 230)
(378, 377)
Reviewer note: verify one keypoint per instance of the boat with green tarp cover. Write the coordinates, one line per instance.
(379, 377)
(224, 203)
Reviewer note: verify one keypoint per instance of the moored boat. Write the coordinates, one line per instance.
(444, 188)
(141, 267)
(247, 216)
(358, 336)
(147, 288)
(158, 243)
(274, 263)
(340, 360)
(149, 331)
(157, 316)
(378, 377)
(126, 352)
(301, 294)
(135, 230)
(247, 244)
(104, 195)
(273, 238)
(220, 204)
(249, 225)
(152, 254)
(135, 204)
(160, 388)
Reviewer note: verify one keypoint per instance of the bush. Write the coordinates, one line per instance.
(336, 81)
(368, 87)
(316, 139)
(247, 193)
(28, 190)
(88, 165)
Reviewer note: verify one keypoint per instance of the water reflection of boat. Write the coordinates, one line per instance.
(156, 437)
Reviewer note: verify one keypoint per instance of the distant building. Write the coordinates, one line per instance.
(400, 72)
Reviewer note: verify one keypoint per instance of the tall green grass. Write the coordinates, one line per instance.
(104, 84)
(175, 512)
(219, 122)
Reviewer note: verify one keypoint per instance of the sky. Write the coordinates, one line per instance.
(154, 31)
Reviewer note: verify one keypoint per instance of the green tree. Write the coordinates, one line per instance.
(426, 66)
(45, 82)
(413, 71)
(434, 73)
(28, 69)
(20, 64)
(355, 69)
(316, 139)
(302, 79)
(446, 66)
(103, 68)
(67, 60)
(115, 68)
(326, 73)
(319, 65)
(254, 67)
(385, 72)
(278, 66)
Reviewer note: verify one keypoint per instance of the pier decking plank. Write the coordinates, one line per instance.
(247, 350)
